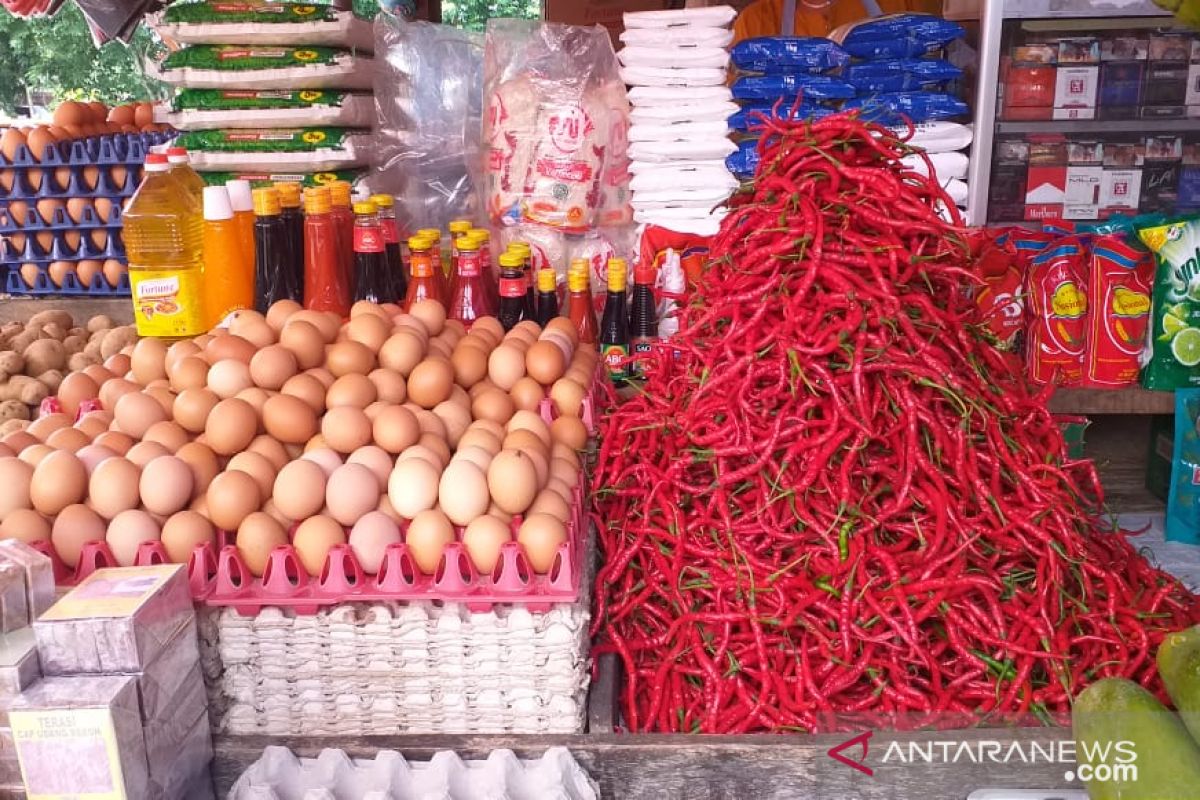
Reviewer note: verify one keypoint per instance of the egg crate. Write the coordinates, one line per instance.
(60, 220)
(387, 668)
(101, 152)
(71, 285)
(332, 775)
(61, 250)
(75, 183)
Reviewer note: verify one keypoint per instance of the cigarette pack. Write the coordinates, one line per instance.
(1120, 189)
(1124, 48)
(1076, 87)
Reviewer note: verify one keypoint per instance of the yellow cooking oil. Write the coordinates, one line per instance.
(163, 234)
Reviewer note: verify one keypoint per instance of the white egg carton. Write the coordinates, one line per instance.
(359, 669)
(280, 775)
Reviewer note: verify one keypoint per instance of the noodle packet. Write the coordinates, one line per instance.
(1183, 499)
(1173, 353)
(1058, 303)
(1119, 311)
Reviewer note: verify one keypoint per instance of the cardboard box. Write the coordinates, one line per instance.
(116, 621)
(1124, 154)
(1076, 87)
(1160, 185)
(1120, 189)
(1079, 50)
(1161, 453)
(1035, 53)
(1166, 85)
(1029, 86)
(1082, 195)
(1121, 86)
(1046, 152)
(1124, 48)
(1189, 188)
(1170, 46)
(1084, 153)
(1045, 192)
(598, 12)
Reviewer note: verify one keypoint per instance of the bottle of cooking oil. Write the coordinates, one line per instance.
(181, 168)
(163, 241)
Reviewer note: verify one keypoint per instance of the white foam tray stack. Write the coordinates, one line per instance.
(280, 775)
(389, 668)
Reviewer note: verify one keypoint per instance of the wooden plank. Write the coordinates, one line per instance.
(1133, 400)
(604, 695)
(659, 767)
(120, 309)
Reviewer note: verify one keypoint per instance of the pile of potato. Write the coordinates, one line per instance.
(36, 354)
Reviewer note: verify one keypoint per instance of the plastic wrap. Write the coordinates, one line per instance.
(788, 54)
(896, 35)
(428, 101)
(554, 127)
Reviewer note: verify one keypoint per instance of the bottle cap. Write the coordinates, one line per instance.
(177, 155)
(156, 162)
(266, 202)
(316, 201)
(289, 194)
(383, 200)
(511, 261)
(521, 247)
(645, 273)
(419, 241)
(578, 281)
(617, 272)
(339, 192)
(430, 233)
(364, 207)
(467, 242)
(483, 233)
(547, 280)
(216, 204)
(459, 226)
(239, 195)
(578, 265)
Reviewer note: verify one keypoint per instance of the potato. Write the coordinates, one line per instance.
(29, 391)
(117, 339)
(22, 340)
(100, 322)
(83, 360)
(51, 379)
(74, 344)
(12, 363)
(13, 425)
(43, 355)
(11, 328)
(52, 331)
(13, 409)
(53, 316)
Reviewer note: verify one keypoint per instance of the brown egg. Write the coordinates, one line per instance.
(280, 312)
(327, 459)
(167, 433)
(26, 525)
(15, 479)
(390, 386)
(135, 412)
(148, 361)
(567, 397)
(327, 324)
(512, 480)
(570, 431)
(430, 382)
(229, 376)
(113, 270)
(75, 526)
(126, 533)
(370, 330)
(346, 428)
(271, 367)
(560, 451)
(143, 114)
(38, 140)
(483, 539)
(231, 426)
(116, 441)
(470, 365)
(455, 417)
(463, 492)
(113, 390)
(97, 373)
(437, 445)
(143, 453)
(375, 459)
(308, 389)
(29, 274)
(345, 358)
(565, 326)
(562, 343)
(271, 449)
(59, 270)
(86, 271)
(71, 113)
(528, 420)
(183, 532)
(232, 496)
(370, 537)
(506, 366)
(540, 536)
(299, 489)
(313, 540)
(203, 463)
(76, 207)
(527, 394)
(9, 142)
(402, 352)
(305, 342)
(352, 491)
(192, 407)
(104, 208)
(289, 419)
(253, 327)
(121, 115)
(47, 424)
(92, 455)
(413, 486)
(59, 480)
(395, 428)
(431, 313)
(35, 453)
(164, 396)
(550, 502)
(351, 390)
(545, 362)
(189, 372)
(427, 537)
(228, 346)
(521, 439)
(257, 536)
(256, 397)
(166, 485)
(323, 375)
(493, 404)
(68, 439)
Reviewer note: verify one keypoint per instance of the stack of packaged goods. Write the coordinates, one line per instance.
(555, 134)
(675, 63)
(268, 90)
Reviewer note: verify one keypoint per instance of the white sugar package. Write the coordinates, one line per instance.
(677, 38)
(684, 150)
(938, 137)
(713, 16)
(684, 175)
(713, 57)
(674, 97)
(945, 165)
(711, 111)
(685, 77)
(677, 131)
(255, 22)
(704, 199)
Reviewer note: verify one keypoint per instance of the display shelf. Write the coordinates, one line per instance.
(1133, 400)
(1100, 126)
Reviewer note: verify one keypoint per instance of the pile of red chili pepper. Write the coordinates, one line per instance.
(833, 496)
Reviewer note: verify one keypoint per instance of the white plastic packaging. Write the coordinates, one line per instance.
(945, 165)
(674, 58)
(685, 36)
(938, 137)
(679, 131)
(674, 97)
(683, 150)
(711, 111)
(684, 176)
(684, 77)
(710, 17)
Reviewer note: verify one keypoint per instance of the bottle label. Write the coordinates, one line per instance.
(613, 356)
(641, 347)
(422, 265)
(368, 239)
(512, 287)
(468, 264)
(391, 232)
(166, 302)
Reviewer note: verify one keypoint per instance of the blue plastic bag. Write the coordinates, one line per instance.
(897, 36)
(792, 84)
(788, 54)
(899, 74)
(892, 108)
(745, 160)
(1183, 500)
(742, 120)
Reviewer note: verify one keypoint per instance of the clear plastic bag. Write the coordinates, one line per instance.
(428, 101)
(555, 126)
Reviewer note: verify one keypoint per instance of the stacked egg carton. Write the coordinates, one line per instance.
(675, 63)
(388, 668)
(269, 92)
(335, 776)
(60, 217)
